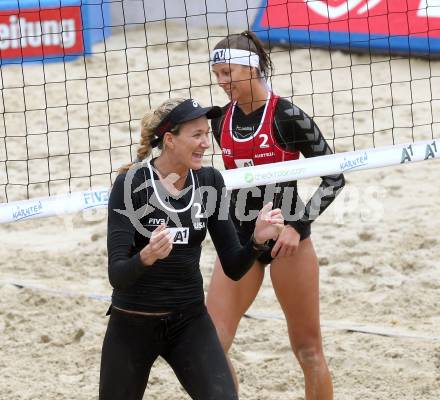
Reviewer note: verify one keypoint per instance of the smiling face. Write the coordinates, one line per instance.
(234, 79)
(188, 146)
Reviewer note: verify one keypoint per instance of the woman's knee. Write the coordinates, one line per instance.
(226, 323)
(309, 355)
(226, 333)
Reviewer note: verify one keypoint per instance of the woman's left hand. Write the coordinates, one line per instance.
(269, 224)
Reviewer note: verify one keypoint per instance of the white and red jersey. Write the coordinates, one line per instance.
(260, 147)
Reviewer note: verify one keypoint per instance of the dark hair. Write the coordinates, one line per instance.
(247, 40)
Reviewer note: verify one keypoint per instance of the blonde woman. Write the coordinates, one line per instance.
(159, 213)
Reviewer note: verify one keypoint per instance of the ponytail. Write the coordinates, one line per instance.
(266, 65)
(149, 123)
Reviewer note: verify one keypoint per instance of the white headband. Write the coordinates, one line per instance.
(235, 56)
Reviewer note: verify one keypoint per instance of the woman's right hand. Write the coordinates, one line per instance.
(269, 224)
(159, 247)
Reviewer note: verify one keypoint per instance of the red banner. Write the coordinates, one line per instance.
(41, 33)
(389, 17)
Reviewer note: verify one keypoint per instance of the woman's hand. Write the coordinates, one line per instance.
(287, 243)
(160, 246)
(269, 224)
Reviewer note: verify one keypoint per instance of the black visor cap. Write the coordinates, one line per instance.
(187, 111)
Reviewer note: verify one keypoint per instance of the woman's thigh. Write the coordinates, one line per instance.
(228, 300)
(199, 361)
(296, 283)
(128, 352)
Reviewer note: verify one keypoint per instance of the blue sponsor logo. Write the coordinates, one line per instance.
(95, 199)
(352, 163)
(27, 212)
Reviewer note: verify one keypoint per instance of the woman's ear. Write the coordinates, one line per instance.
(255, 73)
(168, 140)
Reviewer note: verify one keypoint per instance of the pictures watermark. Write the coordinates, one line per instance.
(149, 201)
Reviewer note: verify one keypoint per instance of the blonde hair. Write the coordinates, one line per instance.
(149, 123)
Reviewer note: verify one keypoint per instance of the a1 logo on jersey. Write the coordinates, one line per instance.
(179, 235)
(244, 162)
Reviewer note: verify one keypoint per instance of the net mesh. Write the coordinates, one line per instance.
(68, 125)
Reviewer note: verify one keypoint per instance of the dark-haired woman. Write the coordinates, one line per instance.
(259, 127)
(159, 213)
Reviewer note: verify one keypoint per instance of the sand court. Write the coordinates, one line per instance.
(378, 244)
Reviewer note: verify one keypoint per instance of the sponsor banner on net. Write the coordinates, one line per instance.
(354, 162)
(54, 205)
(392, 25)
(268, 176)
(27, 211)
(237, 178)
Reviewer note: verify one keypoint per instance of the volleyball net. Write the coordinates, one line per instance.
(77, 76)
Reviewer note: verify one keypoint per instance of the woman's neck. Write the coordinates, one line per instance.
(166, 166)
(254, 99)
(171, 175)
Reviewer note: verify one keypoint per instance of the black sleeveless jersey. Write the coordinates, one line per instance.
(137, 205)
(293, 130)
